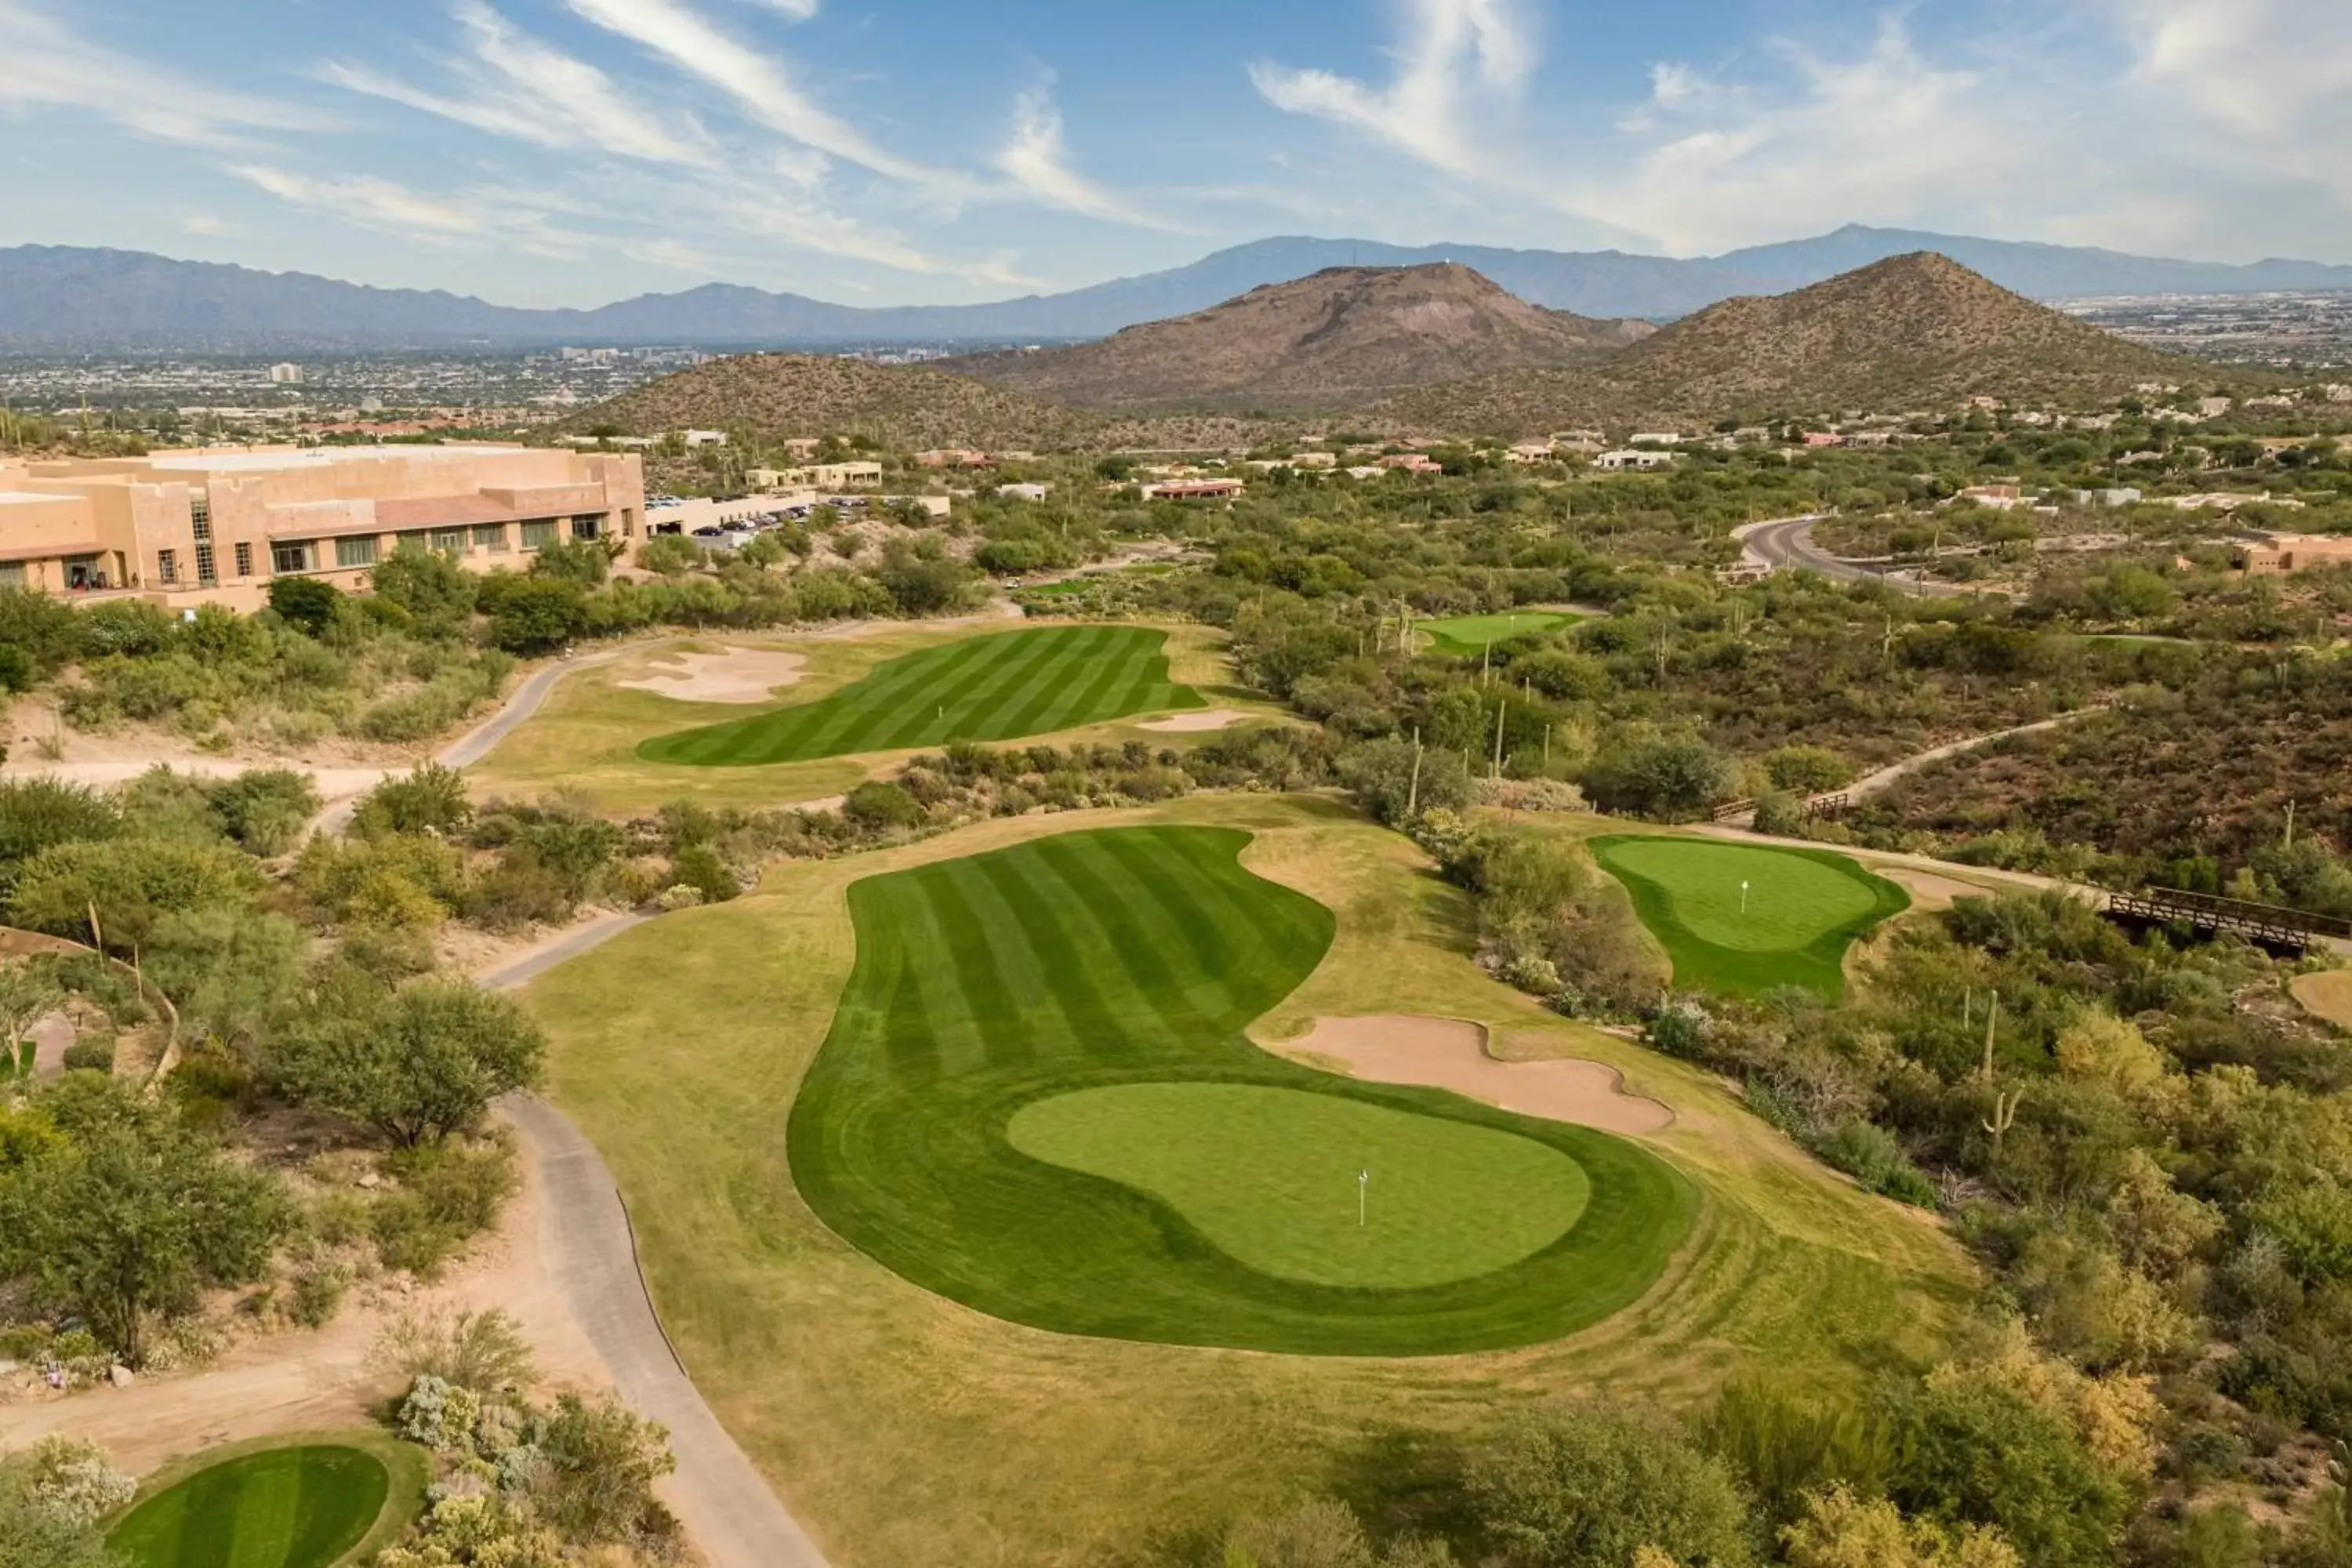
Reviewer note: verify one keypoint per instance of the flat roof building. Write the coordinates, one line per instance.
(215, 526)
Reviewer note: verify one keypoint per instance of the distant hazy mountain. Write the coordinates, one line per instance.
(54, 296)
(1327, 341)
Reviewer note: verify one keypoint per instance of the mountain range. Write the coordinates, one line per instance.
(1917, 331)
(55, 297)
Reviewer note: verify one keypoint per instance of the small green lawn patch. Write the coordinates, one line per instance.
(997, 688)
(1467, 637)
(1801, 910)
(1271, 1177)
(304, 1505)
(1037, 1100)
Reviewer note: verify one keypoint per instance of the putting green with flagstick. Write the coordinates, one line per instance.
(1037, 1100)
(1746, 918)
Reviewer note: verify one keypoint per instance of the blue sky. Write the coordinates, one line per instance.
(876, 152)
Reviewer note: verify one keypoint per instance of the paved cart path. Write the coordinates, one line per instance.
(587, 1244)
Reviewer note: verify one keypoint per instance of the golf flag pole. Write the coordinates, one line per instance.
(1363, 1185)
(1743, 898)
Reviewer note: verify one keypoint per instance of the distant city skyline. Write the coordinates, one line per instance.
(572, 152)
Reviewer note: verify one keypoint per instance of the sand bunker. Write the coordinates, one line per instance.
(2327, 994)
(730, 675)
(1451, 1053)
(1193, 723)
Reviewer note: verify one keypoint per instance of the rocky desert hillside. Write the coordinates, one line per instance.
(1917, 332)
(902, 407)
(1340, 337)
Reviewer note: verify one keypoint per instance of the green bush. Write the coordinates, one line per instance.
(878, 807)
(90, 1056)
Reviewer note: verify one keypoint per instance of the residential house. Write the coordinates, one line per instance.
(1192, 490)
(2279, 554)
(1620, 461)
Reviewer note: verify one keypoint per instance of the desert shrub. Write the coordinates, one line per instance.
(263, 809)
(317, 1293)
(1397, 780)
(484, 1352)
(878, 807)
(133, 884)
(1584, 1487)
(37, 813)
(701, 868)
(430, 799)
(90, 1056)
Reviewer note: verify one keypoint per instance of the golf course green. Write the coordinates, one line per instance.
(1467, 637)
(1748, 919)
(1036, 1099)
(282, 1508)
(995, 687)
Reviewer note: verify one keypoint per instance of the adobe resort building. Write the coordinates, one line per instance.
(213, 527)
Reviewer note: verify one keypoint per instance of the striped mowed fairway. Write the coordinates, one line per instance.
(995, 687)
(1801, 910)
(282, 1508)
(1036, 1099)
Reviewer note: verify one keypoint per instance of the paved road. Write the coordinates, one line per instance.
(586, 1245)
(1788, 545)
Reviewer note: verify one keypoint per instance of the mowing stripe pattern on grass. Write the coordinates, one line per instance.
(282, 1508)
(1133, 958)
(996, 687)
(1749, 918)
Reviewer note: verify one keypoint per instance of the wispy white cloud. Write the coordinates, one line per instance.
(1884, 136)
(511, 84)
(45, 63)
(1037, 159)
(433, 219)
(1456, 54)
(762, 86)
(797, 10)
(2270, 82)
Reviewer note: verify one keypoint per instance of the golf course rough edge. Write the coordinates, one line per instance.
(302, 1506)
(1000, 687)
(1136, 956)
(1802, 909)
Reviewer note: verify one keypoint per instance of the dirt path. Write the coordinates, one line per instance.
(322, 1378)
(1884, 778)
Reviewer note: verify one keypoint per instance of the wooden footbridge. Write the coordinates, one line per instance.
(2268, 926)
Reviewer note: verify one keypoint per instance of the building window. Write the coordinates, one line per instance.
(415, 539)
(296, 557)
(490, 536)
(245, 560)
(358, 551)
(167, 565)
(200, 515)
(535, 535)
(587, 527)
(449, 541)
(12, 573)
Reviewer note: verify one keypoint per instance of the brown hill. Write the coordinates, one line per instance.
(903, 406)
(1341, 336)
(1916, 332)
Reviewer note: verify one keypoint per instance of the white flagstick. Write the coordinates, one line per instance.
(1743, 898)
(1363, 1183)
